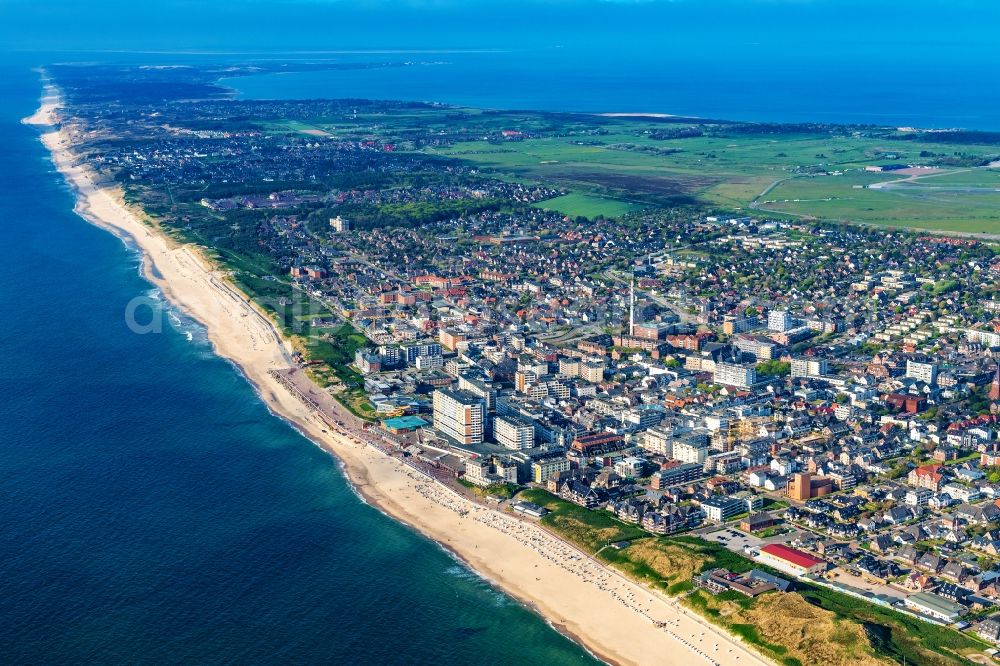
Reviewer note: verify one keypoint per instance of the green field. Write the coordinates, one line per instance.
(986, 178)
(848, 198)
(588, 205)
(614, 166)
(730, 172)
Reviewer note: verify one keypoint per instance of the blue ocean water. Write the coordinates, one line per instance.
(743, 81)
(154, 512)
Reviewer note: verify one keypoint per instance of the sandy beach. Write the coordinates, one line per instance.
(618, 620)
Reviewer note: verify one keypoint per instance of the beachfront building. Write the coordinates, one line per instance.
(403, 424)
(542, 470)
(513, 433)
(791, 560)
(459, 416)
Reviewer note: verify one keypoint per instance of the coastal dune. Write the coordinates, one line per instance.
(618, 620)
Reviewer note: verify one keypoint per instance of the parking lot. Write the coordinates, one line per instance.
(733, 539)
(866, 583)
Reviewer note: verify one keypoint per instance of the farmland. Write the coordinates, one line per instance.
(611, 166)
(818, 176)
(850, 198)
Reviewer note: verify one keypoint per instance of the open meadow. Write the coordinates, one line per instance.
(611, 166)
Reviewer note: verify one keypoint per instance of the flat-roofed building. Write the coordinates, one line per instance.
(513, 433)
(935, 606)
(674, 472)
(690, 450)
(719, 508)
(785, 558)
(657, 440)
(569, 367)
(479, 386)
(459, 416)
(734, 374)
(733, 325)
(592, 370)
(411, 352)
(809, 367)
(651, 330)
(804, 485)
(924, 372)
(761, 348)
(780, 320)
(542, 469)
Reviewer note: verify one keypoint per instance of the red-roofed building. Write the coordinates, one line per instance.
(792, 560)
(598, 443)
(926, 476)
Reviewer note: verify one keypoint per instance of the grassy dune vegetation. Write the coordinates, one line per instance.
(813, 625)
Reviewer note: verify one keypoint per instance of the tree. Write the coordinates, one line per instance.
(774, 368)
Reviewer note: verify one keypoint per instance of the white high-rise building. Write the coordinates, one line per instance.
(924, 372)
(569, 367)
(479, 386)
(592, 370)
(780, 320)
(690, 451)
(733, 374)
(513, 433)
(460, 416)
(809, 367)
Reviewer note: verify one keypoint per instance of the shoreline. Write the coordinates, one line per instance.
(617, 620)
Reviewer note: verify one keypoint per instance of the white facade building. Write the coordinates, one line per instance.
(780, 320)
(513, 433)
(809, 367)
(733, 374)
(459, 416)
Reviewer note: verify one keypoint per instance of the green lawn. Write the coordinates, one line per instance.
(848, 198)
(587, 205)
(626, 165)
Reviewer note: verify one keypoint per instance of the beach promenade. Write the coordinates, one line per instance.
(620, 621)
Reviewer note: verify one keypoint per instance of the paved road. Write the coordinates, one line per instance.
(685, 316)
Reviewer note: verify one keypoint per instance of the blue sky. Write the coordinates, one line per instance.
(918, 26)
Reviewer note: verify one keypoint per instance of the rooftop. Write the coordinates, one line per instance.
(796, 557)
(404, 422)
